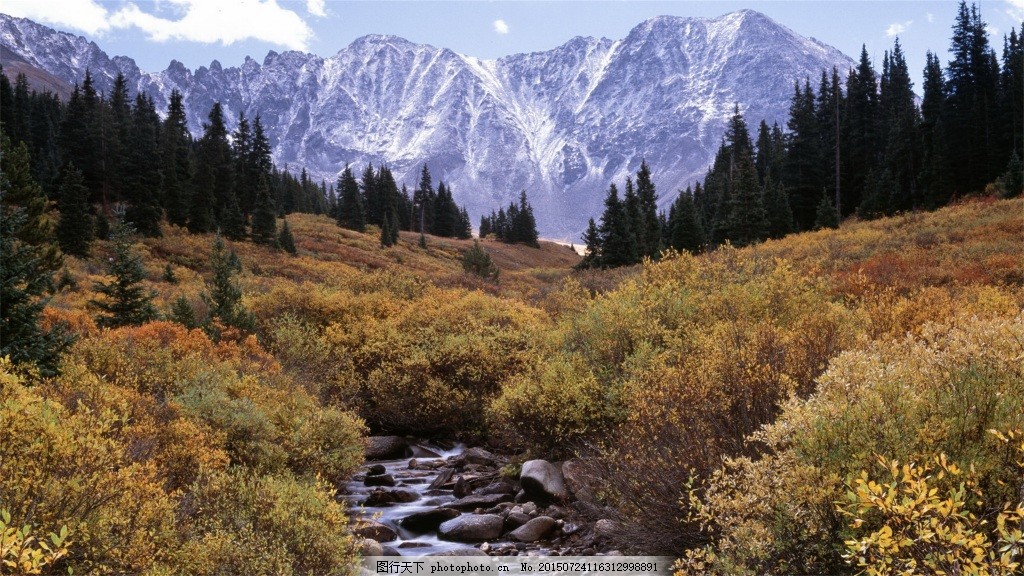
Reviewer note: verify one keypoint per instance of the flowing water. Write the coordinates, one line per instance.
(416, 481)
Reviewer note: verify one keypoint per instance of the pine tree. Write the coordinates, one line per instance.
(24, 280)
(780, 216)
(169, 275)
(385, 234)
(183, 313)
(860, 139)
(618, 244)
(826, 215)
(592, 241)
(75, 227)
(686, 232)
(214, 174)
(264, 216)
(141, 180)
(19, 189)
(524, 228)
(176, 161)
(125, 301)
(286, 240)
(803, 174)
(936, 182)
(1013, 179)
(748, 221)
(477, 261)
(232, 220)
(423, 202)
(650, 225)
(350, 204)
(225, 297)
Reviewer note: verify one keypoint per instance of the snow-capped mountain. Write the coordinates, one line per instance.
(561, 124)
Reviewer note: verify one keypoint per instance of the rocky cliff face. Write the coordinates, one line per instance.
(560, 124)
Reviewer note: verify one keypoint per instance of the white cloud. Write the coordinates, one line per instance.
(316, 8)
(501, 27)
(223, 21)
(1015, 9)
(896, 28)
(207, 21)
(930, 17)
(81, 15)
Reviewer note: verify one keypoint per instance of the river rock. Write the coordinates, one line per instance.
(474, 501)
(515, 520)
(423, 452)
(442, 478)
(605, 528)
(477, 456)
(501, 486)
(534, 530)
(381, 480)
(428, 520)
(386, 447)
(375, 530)
(543, 481)
(386, 550)
(370, 547)
(472, 528)
(459, 552)
(376, 470)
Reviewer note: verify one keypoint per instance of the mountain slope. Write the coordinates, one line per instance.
(561, 124)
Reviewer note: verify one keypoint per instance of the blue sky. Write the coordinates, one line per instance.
(199, 31)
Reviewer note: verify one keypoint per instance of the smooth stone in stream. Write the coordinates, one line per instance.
(474, 501)
(542, 481)
(428, 520)
(534, 530)
(386, 447)
(471, 528)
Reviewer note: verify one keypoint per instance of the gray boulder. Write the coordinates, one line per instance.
(428, 520)
(386, 448)
(474, 501)
(535, 529)
(370, 547)
(542, 481)
(472, 528)
(375, 530)
(460, 552)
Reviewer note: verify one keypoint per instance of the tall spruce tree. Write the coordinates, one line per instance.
(75, 227)
(826, 215)
(803, 175)
(592, 242)
(286, 240)
(686, 231)
(618, 244)
(141, 180)
(224, 298)
(351, 214)
(176, 161)
(125, 300)
(264, 216)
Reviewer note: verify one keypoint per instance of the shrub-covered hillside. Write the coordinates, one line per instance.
(829, 402)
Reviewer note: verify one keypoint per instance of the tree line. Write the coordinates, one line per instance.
(516, 224)
(866, 148)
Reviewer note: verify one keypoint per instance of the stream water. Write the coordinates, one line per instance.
(416, 481)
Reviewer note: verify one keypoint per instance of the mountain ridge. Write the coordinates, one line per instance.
(560, 123)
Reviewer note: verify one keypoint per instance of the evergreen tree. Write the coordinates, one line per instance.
(286, 240)
(650, 225)
(75, 227)
(183, 313)
(225, 297)
(618, 244)
(264, 216)
(485, 226)
(860, 140)
(423, 202)
(1013, 179)
(19, 189)
(477, 261)
(125, 301)
(686, 232)
(936, 182)
(1012, 92)
(25, 277)
(350, 204)
(592, 241)
(385, 234)
(214, 191)
(176, 161)
(803, 174)
(826, 215)
(524, 228)
(779, 214)
(169, 275)
(232, 220)
(748, 221)
(900, 122)
(141, 180)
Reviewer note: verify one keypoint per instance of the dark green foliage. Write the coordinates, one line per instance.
(25, 278)
(19, 189)
(748, 221)
(125, 301)
(101, 224)
(232, 220)
(685, 229)
(826, 216)
(350, 204)
(477, 261)
(618, 244)
(75, 227)
(225, 297)
(776, 204)
(1013, 179)
(592, 241)
(169, 275)
(66, 280)
(803, 173)
(183, 313)
(516, 224)
(176, 161)
(214, 192)
(264, 216)
(423, 202)
(385, 234)
(141, 180)
(649, 232)
(285, 239)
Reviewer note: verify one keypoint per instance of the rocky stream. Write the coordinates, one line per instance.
(422, 499)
